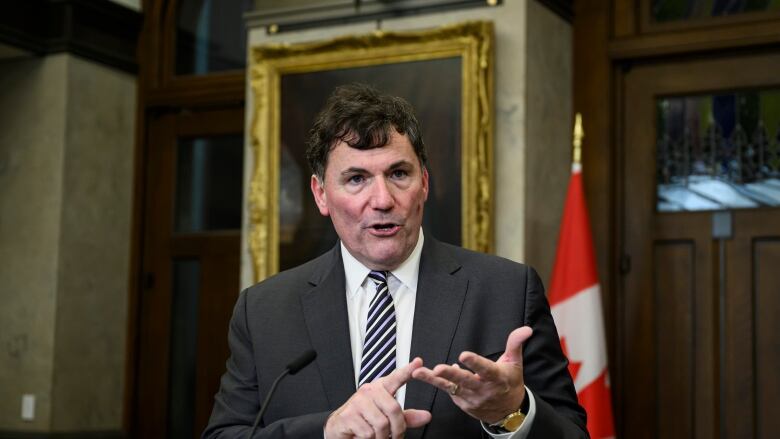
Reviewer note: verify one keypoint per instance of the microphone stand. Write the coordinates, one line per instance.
(291, 369)
(267, 399)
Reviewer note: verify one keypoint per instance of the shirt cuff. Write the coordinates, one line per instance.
(525, 427)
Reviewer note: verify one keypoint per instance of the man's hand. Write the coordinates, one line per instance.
(373, 412)
(493, 390)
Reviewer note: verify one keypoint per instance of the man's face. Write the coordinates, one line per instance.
(375, 199)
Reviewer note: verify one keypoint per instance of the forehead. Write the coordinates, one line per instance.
(398, 148)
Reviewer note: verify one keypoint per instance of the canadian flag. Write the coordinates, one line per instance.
(575, 299)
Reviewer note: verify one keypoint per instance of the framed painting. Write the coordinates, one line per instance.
(446, 75)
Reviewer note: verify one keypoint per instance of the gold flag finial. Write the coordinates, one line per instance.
(578, 135)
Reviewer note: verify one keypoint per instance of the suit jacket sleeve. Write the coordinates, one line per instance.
(238, 400)
(558, 415)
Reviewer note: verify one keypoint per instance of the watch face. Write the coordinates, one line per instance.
(514, 421)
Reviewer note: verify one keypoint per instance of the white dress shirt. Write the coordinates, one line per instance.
(402, 284)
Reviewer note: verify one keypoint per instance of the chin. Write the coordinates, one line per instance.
(386, 262)
(389, 260)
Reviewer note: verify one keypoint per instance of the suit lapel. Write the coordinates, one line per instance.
(325, 313)
(440, 297)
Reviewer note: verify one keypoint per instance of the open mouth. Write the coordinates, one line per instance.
(384, 229)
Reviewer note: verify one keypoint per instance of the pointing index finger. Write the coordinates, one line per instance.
(400, 376)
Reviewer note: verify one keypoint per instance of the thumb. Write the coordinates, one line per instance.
(514, 345)
(416, 418)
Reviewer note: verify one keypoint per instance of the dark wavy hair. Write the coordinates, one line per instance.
(362, 117)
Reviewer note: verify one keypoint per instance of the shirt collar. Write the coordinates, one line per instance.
(408, 272)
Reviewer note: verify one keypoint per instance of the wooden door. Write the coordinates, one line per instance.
(697, 344)
(190, 263)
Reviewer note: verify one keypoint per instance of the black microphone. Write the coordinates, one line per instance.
(292, 368)
(299, 363)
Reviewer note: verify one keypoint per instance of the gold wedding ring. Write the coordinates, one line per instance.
(453, 389)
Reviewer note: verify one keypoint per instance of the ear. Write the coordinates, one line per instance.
(320, 197)
(425, 182)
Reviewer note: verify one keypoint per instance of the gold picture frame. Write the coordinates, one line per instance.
(466, 48)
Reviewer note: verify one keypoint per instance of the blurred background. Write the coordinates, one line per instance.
(125, 162)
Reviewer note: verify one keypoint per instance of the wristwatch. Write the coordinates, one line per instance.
(512, 421)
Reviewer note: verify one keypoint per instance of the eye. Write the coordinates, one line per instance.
(356, 179)
(399, 174)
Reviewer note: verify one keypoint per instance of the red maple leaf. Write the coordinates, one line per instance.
(574, 366)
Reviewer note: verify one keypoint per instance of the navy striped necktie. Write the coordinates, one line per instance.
(379, 345)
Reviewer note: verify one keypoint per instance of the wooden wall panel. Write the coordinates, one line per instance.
(674, 335)
(591, 79)
(766, 275)
(624, 18)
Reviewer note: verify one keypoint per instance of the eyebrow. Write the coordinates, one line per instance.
(356, 170)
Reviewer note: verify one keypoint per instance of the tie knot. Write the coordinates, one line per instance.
(379, 277)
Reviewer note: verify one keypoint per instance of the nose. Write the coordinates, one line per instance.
(382, 197)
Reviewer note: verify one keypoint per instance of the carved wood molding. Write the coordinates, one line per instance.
(280, 16)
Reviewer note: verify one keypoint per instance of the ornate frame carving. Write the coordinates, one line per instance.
(471, 41)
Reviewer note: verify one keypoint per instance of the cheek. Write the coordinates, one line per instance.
(421, 199)
(346, 212)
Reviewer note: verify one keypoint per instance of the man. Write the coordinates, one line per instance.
(414, 338)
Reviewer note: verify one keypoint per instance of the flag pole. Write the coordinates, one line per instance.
(578, 135)
(575, 303)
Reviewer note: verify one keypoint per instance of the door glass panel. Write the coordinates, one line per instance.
(674, 10)
(718, 151)
(183, 348)
(210, 36)
(209, 176)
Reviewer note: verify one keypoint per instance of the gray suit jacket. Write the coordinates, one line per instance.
(465, 301)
